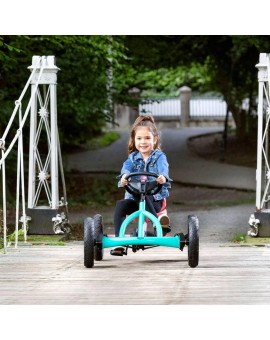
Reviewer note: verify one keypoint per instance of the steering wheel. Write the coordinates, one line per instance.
(142, 187)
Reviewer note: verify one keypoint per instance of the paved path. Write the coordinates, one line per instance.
(184, 166)
(189, 169)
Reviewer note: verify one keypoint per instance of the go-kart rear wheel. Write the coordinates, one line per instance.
(98, 229)
(89, 242)
(193, 241)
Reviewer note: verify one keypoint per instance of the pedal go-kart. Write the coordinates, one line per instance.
(95, 241)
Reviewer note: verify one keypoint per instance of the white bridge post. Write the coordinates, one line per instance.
(43, 181)
(260, 220)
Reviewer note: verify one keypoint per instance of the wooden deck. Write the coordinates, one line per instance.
(48, 275)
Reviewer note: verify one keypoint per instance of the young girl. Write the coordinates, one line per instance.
(144, 155)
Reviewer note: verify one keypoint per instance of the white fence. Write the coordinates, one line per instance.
(170, 108)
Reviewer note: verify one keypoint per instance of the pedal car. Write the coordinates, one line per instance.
(95, 241)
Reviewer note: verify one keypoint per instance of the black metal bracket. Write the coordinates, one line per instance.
(182, 240)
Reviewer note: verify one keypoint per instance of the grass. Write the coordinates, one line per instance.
(252, 241)
(103, 140)
(51, 240)
(239, 238)
(257, 241)
(48, 240)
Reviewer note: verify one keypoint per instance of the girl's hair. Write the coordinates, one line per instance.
(149, 122)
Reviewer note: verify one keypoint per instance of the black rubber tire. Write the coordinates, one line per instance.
(193, 241)
(98, 230)
(89, 242)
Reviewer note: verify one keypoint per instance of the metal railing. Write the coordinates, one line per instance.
(20, 158)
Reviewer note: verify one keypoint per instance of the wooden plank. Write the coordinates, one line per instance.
(51, 275)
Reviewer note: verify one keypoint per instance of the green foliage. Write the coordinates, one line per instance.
(239, 238)
(11, 237)
(167, 82)
(157, 65)
(220, 63)
(82, 92)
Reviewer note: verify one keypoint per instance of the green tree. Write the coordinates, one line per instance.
(224, 64)
(83, 106)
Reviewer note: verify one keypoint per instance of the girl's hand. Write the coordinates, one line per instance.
(161, 179)
(123, 180)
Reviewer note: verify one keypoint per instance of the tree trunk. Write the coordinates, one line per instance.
(239, 116)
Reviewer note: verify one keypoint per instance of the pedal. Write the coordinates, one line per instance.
(166, 230)
(119, 251)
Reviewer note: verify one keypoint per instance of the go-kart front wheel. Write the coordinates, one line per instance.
(89, 242)
(98, 230)
(193, 241)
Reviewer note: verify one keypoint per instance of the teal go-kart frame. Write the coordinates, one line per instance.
(95, 241)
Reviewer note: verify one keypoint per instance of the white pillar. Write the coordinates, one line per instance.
(33, 129)
(262, 78)
(45, 99)
(185, 95)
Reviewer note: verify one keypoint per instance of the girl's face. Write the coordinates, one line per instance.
(144, 141)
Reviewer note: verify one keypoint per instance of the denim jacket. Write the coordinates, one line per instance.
(156, 162)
